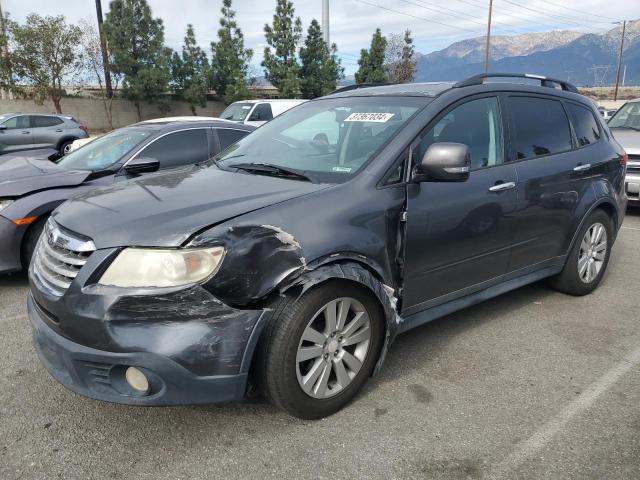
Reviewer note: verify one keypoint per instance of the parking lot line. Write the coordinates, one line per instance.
(631, 228)
(545, 434)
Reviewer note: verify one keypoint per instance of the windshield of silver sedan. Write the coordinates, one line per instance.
(627, 117)
(327, 140)
(105, 151)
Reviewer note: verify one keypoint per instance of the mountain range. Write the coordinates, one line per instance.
(581, 58)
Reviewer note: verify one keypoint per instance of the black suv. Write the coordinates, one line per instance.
(292, 260)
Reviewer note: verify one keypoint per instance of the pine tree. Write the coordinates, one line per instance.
(371, 62)
(189, 72)
(320, 69)
(230, 58)
(136, 41)
(281, 65)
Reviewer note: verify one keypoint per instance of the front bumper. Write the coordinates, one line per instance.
(10, 240)
(191, 347)
(632, 186)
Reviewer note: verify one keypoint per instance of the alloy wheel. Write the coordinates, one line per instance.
(333, 347)
(593, 251)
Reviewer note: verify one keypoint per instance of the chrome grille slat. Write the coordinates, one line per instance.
(55, 265)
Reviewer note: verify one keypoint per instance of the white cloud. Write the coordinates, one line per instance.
(353, 21)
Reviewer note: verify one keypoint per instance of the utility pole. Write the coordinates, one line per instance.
(105, 54)
(624, 27)
(4, 55)
(325, 21)
(486, 48)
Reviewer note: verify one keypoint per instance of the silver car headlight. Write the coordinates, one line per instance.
(4, 203)
(147, 267)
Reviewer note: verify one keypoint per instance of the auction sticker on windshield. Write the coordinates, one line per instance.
(369, 117)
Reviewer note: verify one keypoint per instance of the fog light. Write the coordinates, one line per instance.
(137, 380)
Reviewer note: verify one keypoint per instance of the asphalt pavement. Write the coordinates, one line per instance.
(534, 384)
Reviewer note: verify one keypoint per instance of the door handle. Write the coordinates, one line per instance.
(58, 129)
(26, 133)
(582, 168)
(501, 187)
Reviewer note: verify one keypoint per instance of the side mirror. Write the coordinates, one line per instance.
(142, 165)
(444, 162)
(3, 127)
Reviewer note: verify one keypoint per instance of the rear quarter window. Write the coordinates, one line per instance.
(585, 125)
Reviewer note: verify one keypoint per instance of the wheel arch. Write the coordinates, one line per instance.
(609, 207)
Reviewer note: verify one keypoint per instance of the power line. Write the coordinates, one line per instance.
(416, 17)
(573, 10)
(551, 14)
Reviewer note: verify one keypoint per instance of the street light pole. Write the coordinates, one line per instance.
(486, 48)
(624, 27)
(105, 55)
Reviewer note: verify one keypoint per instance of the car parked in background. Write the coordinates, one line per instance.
(625, 126)
(28, 131)
(293, 259)
(31, 188)
(257, 112)
(606, 113)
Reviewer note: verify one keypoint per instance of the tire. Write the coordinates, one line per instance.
(280, 373)
(31, 240)
(576, 279)
(64, 146)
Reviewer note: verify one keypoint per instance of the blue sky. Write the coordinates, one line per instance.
(435, 24)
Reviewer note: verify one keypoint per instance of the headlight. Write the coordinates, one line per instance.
(141, 267)
(4, 204)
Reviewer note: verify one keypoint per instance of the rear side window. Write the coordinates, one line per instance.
(229, 136)
(540, 127)
(179, 148)
(38, 121)
(262, 113)
(21, 121)
(585, 125)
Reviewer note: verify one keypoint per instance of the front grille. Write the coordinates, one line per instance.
(634, 163)
(59, 257)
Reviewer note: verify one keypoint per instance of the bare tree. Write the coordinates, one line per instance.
(399, 61)
(93, 63)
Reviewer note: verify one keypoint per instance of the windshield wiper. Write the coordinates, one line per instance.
(271, 169)
(627, 127)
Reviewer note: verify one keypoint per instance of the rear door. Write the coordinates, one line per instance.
(458, 234)
(17, 135)
(553, 175)
(47, 130)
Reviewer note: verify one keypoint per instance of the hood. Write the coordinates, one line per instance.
(22, 175)
(629, 139)
(165, 210)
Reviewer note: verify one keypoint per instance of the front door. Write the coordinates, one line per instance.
(16, 135)
(458, 234)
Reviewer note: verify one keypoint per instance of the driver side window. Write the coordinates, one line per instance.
(476, 124)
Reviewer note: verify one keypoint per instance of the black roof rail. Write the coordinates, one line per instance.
(544, 81)
(356, 86)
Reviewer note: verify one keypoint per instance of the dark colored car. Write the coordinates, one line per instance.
(31, 187)
(292, 260)
(29, 131)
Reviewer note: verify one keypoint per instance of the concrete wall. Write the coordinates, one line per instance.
(91, 112)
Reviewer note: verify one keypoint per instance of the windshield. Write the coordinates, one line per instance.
(627, 117)
(103, 152)
(236, 112)
(327, 140)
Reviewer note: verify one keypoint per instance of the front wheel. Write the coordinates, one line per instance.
(65, 148)
(589, 256)
(319, 349)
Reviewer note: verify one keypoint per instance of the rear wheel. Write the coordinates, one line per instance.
(589, 257)
(65, 147)
(319, 349)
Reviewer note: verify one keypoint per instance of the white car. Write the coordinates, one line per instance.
(257, 112)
